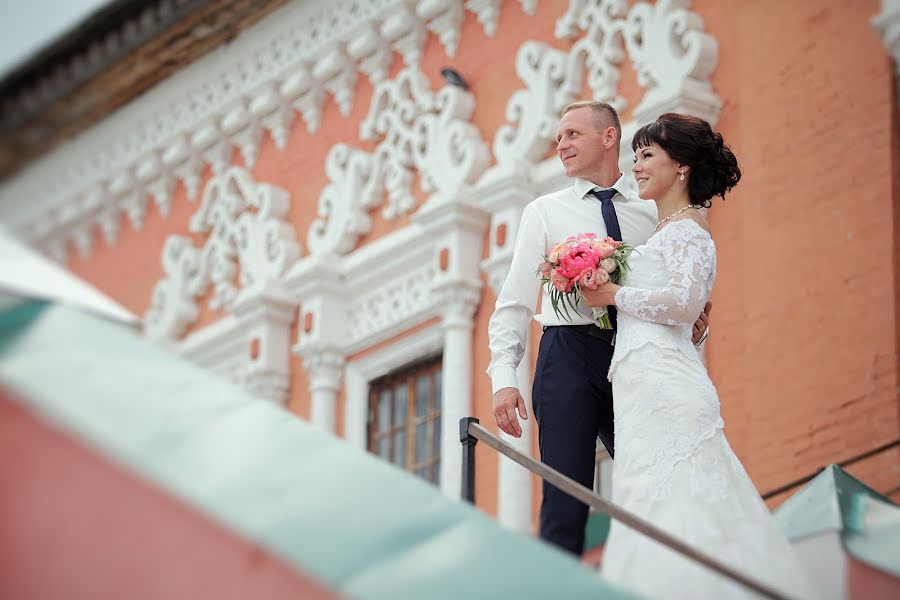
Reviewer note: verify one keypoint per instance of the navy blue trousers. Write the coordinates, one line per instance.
(572, 401)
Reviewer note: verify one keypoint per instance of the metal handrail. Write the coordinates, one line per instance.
(470, 432)
(798, 482)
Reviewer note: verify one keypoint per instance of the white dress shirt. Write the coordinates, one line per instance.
(545, 222)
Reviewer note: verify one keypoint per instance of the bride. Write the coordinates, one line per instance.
(673, 465)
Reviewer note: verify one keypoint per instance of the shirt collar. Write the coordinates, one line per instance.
(582, 186)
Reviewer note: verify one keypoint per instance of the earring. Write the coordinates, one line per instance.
(682, 176)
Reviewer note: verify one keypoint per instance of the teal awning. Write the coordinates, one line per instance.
(867, 522)
(359, 525)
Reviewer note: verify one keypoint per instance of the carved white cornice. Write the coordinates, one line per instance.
(292, 61)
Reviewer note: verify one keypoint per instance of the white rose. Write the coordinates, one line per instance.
(609, 265)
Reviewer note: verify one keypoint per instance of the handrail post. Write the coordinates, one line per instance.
(468, 459)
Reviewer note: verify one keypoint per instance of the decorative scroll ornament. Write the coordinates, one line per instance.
(248, 241)
(672, 55)
(673, 58)
(419, 131)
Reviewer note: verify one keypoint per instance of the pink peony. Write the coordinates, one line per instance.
(615, 244)
(609, 265)
(579, 258)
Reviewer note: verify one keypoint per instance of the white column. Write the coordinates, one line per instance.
(356, 404)
(324, 369)
(514, 497)
(456, 374)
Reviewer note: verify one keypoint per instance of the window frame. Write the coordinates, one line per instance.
(407, 377)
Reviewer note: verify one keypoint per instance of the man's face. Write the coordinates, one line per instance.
(580, 145)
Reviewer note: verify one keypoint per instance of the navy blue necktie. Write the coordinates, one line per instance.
(612, 228)
(609, 212)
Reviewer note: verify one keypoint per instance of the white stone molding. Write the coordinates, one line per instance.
(264, 319)
(505, 203)
(251, 346)
(368, 296)
(391, 307)
(246, 236)
(417, 131)
(887, 23)
(293, 60)
(456, 231)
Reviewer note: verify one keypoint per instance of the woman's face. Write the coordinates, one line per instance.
(655, 172)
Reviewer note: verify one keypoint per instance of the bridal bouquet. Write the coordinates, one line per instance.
(582, 261)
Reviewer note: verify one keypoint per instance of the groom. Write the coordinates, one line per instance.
(571, 396)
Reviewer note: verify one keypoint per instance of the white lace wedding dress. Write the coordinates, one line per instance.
(673, 465)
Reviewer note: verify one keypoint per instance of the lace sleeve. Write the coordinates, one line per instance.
(690, 258)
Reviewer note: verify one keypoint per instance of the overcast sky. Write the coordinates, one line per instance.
(26, 26)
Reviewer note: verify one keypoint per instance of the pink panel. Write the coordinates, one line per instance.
(74, 526)
(866, 583)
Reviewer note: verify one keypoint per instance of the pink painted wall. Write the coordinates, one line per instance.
(74, 526)
(866, 583)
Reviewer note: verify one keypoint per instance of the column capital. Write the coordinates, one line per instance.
(458, 302)
(324, 367)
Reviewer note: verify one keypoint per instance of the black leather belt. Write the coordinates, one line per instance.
(591, 330)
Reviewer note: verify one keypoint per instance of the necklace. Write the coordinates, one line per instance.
(677, 212)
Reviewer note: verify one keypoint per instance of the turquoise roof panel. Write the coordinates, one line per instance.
(834, 501)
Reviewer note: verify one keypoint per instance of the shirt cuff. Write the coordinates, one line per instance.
(502, 377)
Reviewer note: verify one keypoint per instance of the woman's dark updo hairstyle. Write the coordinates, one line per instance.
(691, 141)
